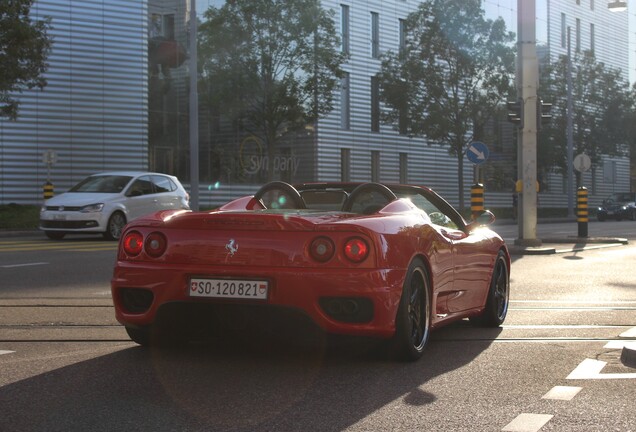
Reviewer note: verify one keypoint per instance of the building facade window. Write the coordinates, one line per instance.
(564, 31)
(578, 35)
(345, 164)
(344, 28)
(375, 104)
(375, 166)
(402, 37)
(592, 37)
(375, 35)
(404, 168)
(591, 4)
(345, 102)
(162, 25)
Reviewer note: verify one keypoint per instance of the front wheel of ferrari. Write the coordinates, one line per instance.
(498, 295)
(413, 320)
(139, 335)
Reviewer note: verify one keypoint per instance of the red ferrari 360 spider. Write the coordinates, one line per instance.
(388, 261)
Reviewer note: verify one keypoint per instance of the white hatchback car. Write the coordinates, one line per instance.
(104, 203)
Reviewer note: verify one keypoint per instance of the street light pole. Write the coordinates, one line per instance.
(194, 111)
(570, 132)
(527, 83)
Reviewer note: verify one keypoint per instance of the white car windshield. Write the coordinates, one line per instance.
(102, 184)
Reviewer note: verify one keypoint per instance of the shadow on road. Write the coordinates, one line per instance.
(249, 387)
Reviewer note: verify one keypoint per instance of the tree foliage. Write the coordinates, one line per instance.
(603, 108)
(24, 48)
(452, 72)
(271, 65)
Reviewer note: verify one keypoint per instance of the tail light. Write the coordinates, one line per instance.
(356, 249)
(321, 249)
(133, 243)
(155, 244)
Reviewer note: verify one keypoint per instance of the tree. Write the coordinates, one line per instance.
(452, 72)
(24, 48)
(603, 106)
(273, 64)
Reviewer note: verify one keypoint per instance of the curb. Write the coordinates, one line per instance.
(550, 247)
(23, 233)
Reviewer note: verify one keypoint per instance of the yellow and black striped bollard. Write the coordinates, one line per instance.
(48, 190)
(581, 210)
(476, 200)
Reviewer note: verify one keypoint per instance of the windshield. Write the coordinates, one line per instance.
(622, 197)
(102, 184)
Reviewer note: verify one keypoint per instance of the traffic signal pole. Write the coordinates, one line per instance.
(527, 83)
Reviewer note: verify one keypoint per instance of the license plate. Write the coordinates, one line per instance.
(229, 288)
(59, 217)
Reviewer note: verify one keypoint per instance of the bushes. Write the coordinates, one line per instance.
(16, 216)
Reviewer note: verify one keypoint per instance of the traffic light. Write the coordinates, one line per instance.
(515, 113)
(543, 113)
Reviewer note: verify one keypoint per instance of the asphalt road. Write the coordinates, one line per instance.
(65, 364)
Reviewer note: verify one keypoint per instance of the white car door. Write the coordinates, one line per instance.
(142, 198)
(166, 197)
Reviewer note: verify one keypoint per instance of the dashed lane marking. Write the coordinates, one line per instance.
(591, 369)
(562, 393)
(631, 333)
(527, 422)
(24, 264)
(6, 352)
(617, 344)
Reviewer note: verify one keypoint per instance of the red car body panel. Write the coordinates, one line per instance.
(274, 246)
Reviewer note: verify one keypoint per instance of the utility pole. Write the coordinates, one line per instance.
(194, 111)
(527, 83)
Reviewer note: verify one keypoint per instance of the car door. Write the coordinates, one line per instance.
(141, 198)
(165, 196)
(472, 262)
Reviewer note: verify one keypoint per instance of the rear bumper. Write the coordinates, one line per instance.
(298, 289)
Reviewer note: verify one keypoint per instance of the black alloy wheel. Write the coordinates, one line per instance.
(413, 320)
(498, 295)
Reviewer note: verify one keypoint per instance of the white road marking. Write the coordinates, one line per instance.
(562, 393)
(560, 326)
(591, 369)
(576, 301)
(617, 344)
(527, 422)
(629, 333)
(24, 264)
(6, 352)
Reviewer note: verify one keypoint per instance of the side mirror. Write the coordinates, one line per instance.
(484, 219)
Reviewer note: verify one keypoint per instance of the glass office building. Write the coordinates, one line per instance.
(118, 93)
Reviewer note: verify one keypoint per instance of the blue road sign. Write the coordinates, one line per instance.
(477, 152)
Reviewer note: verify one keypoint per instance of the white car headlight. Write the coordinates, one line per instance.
(91, 208)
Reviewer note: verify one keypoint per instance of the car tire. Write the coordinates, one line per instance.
(498, 298)
(54, 235)
(116, 223)
(600, 217)
(632, 215)
(139, 335)
(413, 319)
